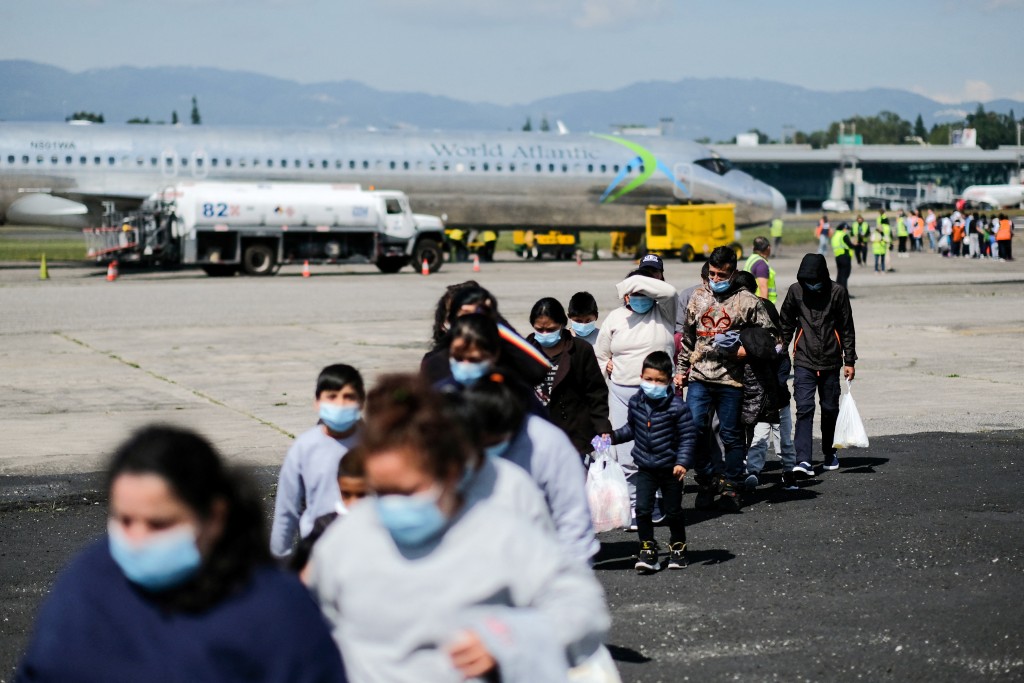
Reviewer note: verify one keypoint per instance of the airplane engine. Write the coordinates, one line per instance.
(44, 209)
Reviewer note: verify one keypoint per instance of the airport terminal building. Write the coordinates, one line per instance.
(808, 176)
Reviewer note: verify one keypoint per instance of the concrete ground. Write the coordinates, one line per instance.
(905, 564)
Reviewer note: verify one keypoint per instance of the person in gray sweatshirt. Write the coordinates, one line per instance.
(307, 486)
(425, 584)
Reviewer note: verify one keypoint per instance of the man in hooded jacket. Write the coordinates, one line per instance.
(817, 313)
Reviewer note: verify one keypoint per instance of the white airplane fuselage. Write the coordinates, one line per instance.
(59, 174)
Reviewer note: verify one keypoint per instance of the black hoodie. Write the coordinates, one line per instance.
(821, 321)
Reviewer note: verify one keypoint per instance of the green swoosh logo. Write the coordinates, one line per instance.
(646, 159)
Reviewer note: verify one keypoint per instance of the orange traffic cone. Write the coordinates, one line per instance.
(305, 268)
(476, 263)
(112, 271)
(579, 257)
(425, 268)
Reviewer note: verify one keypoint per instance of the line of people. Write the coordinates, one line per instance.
(440, 521)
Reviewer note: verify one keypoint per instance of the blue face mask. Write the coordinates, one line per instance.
(163, 560)
(640, 303)
(654, 391)
(339, 418)
(719, 287)
(548, 339)
(467, 373)
(411, 520)
(585, 329)
(814, 286)
(498, 449)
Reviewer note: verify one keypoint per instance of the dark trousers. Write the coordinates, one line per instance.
(704, 397)
(648, 483)
(903, 243)
(1005, 250)
(860, 250)
(807, 383)
(843, 268)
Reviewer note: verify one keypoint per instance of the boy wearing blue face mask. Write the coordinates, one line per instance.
(583, 316)
(663, 435)
(307, 486)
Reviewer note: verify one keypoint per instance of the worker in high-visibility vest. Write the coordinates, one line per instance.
(457, 241)
(776, 233)
(880, 243)
(842, 247)
(1004, 238)
(902, 234)
(490, 240)
(861, 232)
(758, 266)
(824, 233)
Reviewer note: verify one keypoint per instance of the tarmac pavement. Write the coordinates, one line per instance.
(906, 564)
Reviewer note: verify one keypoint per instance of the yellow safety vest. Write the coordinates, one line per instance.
(839, 243)
(776, 229)
(879, 244)
(860, 229)
(773, 295)
(901, 227)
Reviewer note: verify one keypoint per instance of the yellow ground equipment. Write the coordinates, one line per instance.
(691, 230)
(560, 245)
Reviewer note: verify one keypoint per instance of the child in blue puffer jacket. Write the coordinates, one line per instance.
(662, 429)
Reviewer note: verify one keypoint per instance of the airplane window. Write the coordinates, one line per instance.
(199, 163)
(68, 160)
(96, 161)
(24, 159)
(138, 161)
(641, 168)
(10, 158)
(324, 164)
(110, 161)
(392, 165)
(183, 161)
(366, 164)
(716, 165)
(446, 166)
(405, 165)
(152, 161)
(298, 163)
(551, 168)
(497, 167)
(241, 163)
(472, 166)
(270, 163)
(39, 159)
(309, 162)
(590, 168)
(485, 166)
(565, 168)
(227, 163)
(433, 165)
(213, 162)
(337, 163)
(511, 168)
(53, 160)
(539, 168)
(352, 164)
(83, 160)
(615, 168)
(255, 163)
(604, 169)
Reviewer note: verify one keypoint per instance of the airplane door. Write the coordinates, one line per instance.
(169, 163)
(199, 169)
(684, 174)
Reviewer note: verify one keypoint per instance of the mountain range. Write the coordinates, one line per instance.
(714, 108)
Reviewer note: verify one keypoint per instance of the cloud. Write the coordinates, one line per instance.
(600, 13)
(979, 91)
(581, 14)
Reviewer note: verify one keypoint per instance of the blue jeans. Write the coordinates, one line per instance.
(807, 383)
(727, 401)
(782, 436)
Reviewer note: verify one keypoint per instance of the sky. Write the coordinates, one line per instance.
(517, 51)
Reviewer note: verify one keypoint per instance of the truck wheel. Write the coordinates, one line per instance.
(738, 248)
(431, 251)
(220, 270)
(258, 259)
(686, 253)
(391, 265)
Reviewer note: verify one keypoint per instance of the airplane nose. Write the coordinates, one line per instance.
(778, 203)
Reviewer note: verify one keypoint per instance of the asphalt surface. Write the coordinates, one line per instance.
(903, 565)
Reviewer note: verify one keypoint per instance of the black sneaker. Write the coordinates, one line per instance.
(647, 561)
(805, 468)
(730, 501)
(677, 556)
(789, 481)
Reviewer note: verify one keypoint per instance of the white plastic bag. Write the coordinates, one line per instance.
(850, 431)
(599, 668)
(607, 492)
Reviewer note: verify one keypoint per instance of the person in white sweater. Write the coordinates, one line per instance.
(426, 583)
(643, 324)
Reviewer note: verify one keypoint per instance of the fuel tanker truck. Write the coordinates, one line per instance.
(254, 228)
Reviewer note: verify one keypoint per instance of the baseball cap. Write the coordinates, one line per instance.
(652, 261)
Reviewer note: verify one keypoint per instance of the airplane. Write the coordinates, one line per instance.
(995, 196)
(61, 175)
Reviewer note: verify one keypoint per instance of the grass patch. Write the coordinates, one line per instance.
(29, 243)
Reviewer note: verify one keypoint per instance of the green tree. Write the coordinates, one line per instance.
(941, 133)
(86, 116)
(196, 119)
(919, 129)
(174, 117)
(138, 120)
(993, 129)
(528, 126)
